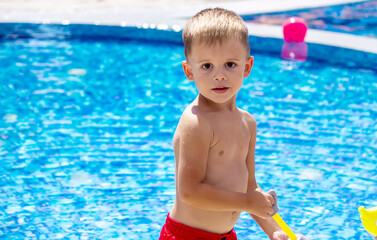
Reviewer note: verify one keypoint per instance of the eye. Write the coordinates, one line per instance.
(230, 64)
(207, 66)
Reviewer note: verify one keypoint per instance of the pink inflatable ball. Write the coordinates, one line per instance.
(295, 51)
(294, 29)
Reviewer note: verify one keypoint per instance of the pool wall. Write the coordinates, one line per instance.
(163, 33)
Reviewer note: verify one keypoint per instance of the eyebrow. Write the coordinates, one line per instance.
(227, 60)
(234, 59)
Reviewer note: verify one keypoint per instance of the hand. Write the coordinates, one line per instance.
(261, 203)
(280, 235)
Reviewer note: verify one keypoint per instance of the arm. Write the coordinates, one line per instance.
(194, 142)
(268, 224)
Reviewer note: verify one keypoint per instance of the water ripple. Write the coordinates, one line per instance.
(90, 155)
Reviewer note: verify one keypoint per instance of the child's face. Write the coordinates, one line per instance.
(219, 69)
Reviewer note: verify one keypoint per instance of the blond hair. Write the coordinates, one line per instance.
(214, 25)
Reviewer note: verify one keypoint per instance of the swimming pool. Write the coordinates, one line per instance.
(86, 128)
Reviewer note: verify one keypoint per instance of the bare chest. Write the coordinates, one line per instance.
(228, 151)
(226, 164)
(230, 140)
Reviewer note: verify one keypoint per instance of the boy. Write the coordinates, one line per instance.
(214, 141)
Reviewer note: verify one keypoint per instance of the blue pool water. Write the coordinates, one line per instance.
(355, 18)
(86, 129)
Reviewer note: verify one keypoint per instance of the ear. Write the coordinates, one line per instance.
(248, 66)
(188, 71)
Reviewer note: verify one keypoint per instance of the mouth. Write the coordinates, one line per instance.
(220, 90)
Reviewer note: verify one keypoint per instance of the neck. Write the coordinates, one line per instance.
(230, 105)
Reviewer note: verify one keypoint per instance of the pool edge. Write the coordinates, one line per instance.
(262, 41)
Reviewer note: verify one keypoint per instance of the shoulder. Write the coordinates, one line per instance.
(194, 123)
(251, 122)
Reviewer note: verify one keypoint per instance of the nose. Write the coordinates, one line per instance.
(219, 76)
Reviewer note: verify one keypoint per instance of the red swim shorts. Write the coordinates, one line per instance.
(174, 230)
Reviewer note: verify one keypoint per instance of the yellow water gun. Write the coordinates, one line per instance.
(281, 222)
(369, 219)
